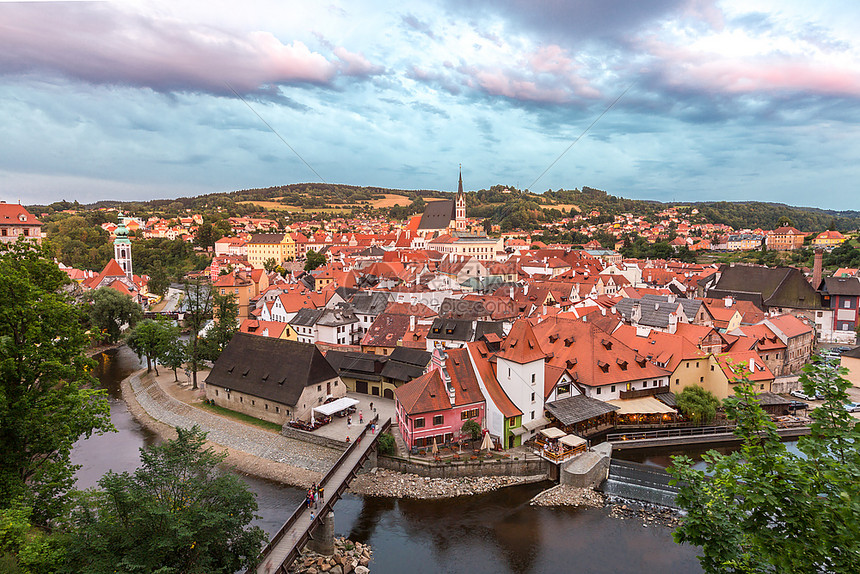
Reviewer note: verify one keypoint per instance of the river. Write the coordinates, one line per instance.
(496, 532)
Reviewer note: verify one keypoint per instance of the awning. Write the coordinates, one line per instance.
(536, 424)
(519, 431)
(552, 432)
(572, 440)
(329, 409)
(641, 406)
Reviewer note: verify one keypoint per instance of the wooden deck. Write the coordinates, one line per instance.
(294, 534)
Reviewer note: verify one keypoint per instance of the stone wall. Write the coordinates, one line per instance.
(784, 385)
(508, 467)
(589, 469)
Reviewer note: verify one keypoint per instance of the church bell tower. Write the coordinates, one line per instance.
(460, 206)
(122, 248)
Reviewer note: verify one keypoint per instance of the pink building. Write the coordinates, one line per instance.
(436, 404)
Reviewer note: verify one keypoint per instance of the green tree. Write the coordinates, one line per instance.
(270, 264)
(314, 260)
(767, 509)
(198, 310)
(206, 236)
(110, 310)
(472, 428)
(784, 221)
(697, 404)
(177, 513)
(174, 355)
(225, 313)
(150, 339)
(158, 280)
(46, 403)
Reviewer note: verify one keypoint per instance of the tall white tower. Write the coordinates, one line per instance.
(460, 206)
(122, 247)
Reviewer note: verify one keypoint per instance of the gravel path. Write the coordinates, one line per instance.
(228, 433)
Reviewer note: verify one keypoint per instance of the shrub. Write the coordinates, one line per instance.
(386, 444)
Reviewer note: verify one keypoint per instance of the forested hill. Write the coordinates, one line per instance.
(504, 205)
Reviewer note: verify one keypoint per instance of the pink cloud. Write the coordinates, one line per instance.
(355, 64)
(547, 75)
(101, 44)
(680, 67)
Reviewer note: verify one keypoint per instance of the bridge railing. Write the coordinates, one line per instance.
(667, 433)
(324, 483)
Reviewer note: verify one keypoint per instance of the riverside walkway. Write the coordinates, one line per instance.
(284, 547)
(685, 436)
(229, 433)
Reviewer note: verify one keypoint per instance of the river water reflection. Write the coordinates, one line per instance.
(493, 533)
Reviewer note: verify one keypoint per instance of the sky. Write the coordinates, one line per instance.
(673, 100)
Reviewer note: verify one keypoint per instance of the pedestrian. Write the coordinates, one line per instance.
(308, 501)
(312, 516)
(347, 439)
(349, 421)
(360, 418)
(322, 492)
(359, 439)
(371, 406)
(372, 428)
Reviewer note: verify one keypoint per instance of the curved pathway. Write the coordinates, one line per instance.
(229, 433)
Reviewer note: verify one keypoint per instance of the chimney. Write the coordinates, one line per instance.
(816, 268)
(728, 301)
(411, 322)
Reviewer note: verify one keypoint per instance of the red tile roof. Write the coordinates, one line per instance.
(521, 345)
(592, 357)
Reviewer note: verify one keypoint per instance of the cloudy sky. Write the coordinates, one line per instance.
(739, 99)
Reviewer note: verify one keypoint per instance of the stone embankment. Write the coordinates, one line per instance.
(349, 557)
(381, 482)
(250, 450)
(563, 495)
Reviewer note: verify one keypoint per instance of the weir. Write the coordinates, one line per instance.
(640, 482)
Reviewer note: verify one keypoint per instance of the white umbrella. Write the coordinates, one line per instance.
(487, 443)
(435, 448)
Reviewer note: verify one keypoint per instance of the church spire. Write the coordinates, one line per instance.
(460, 206)
(460, 186)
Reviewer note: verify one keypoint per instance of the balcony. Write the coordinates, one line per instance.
(639, 393)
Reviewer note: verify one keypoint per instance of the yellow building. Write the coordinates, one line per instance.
(265, 246)
(828, 239)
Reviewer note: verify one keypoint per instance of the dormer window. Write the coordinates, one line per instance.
(569, 341)
(603, 366)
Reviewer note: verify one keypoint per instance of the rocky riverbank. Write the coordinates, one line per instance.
(388, 483)
(649, 515)
(349, 557)
(563, 495)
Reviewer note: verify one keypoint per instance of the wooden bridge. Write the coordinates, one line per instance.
(285, 546)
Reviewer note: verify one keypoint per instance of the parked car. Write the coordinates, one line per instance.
(797, 405)
(852, 407)
(842, 349)
(801, 395)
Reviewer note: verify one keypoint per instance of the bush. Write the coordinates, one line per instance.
(386, 444)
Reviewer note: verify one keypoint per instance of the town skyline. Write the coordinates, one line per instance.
(718, 100)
